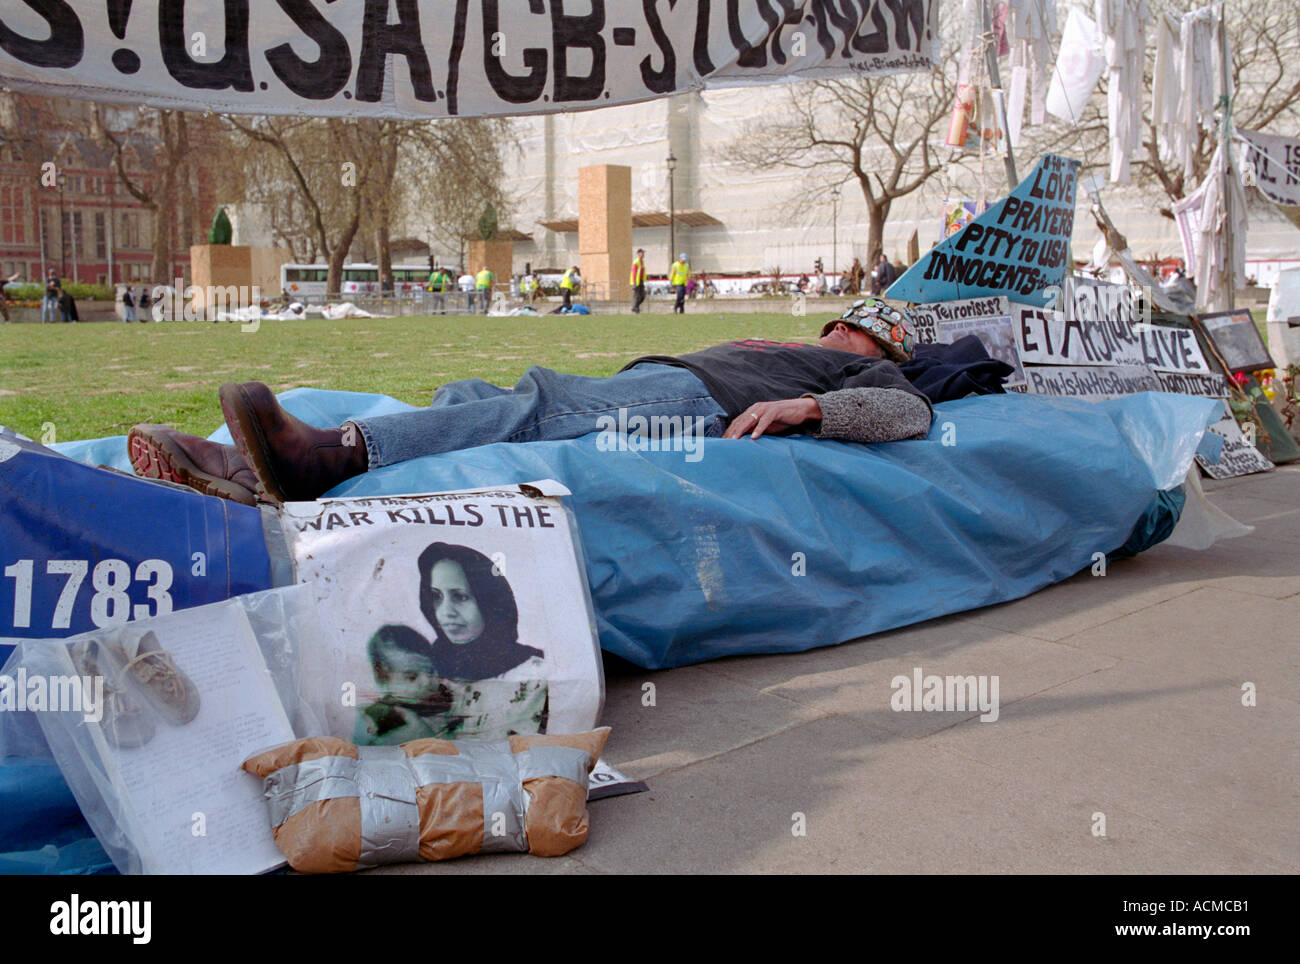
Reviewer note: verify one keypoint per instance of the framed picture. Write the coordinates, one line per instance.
(1237, 339)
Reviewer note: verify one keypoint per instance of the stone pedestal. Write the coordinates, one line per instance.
(228, 266)
(496, 256)
(605, 230)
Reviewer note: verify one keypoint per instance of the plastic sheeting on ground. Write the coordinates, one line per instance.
(785, 544)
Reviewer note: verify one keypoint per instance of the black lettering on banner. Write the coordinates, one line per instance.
(908, 12)
(876, 42)
(750, 55)
(318, 79)
(509, 87)
(453, 55)
(568, 30)
(64, 46)
(379, 38)
(700, 49)
(664, 80)
(234, 70)
(791, 17)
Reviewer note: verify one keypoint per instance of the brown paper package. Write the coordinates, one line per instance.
(325, 837)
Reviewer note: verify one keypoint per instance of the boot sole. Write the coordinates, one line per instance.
(245, 429)
(155, 457)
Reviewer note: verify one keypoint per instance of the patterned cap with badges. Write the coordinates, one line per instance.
(889, 326)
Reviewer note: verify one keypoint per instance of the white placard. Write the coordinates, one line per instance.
(1238, 457)
(450, 615)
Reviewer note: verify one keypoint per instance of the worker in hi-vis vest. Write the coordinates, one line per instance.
(439, 281)
(637, 280)
(483, 287)
(678, 275)
(568, 285)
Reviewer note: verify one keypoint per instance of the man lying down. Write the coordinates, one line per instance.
(847, 386)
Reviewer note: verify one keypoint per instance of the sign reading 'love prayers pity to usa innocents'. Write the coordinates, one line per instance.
(431, 58)
(1020, 247)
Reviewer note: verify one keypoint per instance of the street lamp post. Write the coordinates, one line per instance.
(63, 230)
(835, 229)
(672, 208)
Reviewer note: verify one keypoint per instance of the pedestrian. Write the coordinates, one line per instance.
(637, 281)
(483, 282)
(569, 284)
(50, 303)
(882, 275)
(678, 275)
(128, 306)
(439, 280)
(466, 284)
(528, 288)
(144, 302)
(67, 306)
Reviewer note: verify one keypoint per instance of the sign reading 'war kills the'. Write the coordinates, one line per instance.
(430, 58)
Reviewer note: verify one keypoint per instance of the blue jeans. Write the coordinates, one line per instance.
(49, 308)
(543, 406)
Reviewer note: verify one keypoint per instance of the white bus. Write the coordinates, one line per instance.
(308, 280)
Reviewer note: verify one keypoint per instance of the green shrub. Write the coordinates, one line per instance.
(31, 291)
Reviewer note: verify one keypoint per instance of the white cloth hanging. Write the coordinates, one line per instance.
(1122, 25)
(1217, 264)
(1198, 78)
(1166, 89)
(1031, 25)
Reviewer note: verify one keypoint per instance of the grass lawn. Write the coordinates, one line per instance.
(92, 380)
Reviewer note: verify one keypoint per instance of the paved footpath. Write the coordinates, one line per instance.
(1121, 701)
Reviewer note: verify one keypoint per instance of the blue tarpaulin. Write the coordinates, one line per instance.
(775, 545)
(785, 544)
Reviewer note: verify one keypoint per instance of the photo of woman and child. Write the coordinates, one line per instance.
(474, 678)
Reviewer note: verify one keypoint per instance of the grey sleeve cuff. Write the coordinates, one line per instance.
(872, 415)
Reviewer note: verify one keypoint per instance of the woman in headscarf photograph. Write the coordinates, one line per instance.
(452, 686)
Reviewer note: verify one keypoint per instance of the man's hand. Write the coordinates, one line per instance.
(773, 417)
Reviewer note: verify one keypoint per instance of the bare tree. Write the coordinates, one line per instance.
(351, 178)
(327, 164)
(880, 131)
(1264, 38)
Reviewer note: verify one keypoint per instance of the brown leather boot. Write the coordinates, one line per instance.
(294, 461)
(159, 452)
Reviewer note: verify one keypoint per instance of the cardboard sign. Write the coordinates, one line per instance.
(1020, 247)
(1209, 385)
(929, 316)
(995, 334)
(1235, 336)
(1046, 337)
(456, 615)
(1095, 382)
(431, 58)
(1238, 456)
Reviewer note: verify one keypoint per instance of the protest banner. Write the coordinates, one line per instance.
(1271, 163)
(1095, 382)
(432, 58)
(1238, 456)
(1020, 247)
